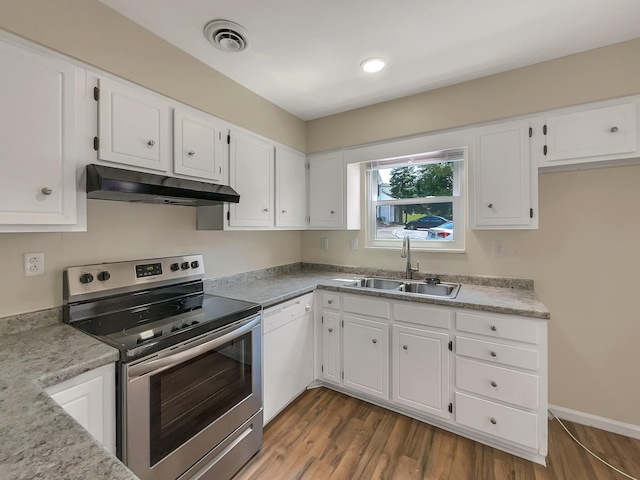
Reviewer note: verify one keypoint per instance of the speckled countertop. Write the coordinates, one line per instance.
(487, 293)
(38, 439)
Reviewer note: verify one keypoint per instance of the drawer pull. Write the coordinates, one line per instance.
(494, 384)
(375, 340)
(329, 302)
(613, 129)
(330, 330)
(494, 354)
(493, 328)
(404, 347)
(494, 421)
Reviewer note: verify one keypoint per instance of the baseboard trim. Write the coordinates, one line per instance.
(607, 424)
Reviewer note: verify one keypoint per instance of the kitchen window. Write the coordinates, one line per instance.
(417, 196)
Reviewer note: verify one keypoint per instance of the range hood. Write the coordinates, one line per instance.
(108, 183)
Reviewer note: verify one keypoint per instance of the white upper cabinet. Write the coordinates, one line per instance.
(133, 127)
(198, 145)
(503, 183)
(585, 136)
(251, 174)
(291, 189)
(37, 134)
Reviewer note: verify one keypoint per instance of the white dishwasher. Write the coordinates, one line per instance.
(287, 353)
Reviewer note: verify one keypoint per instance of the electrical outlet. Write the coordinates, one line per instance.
(324, 243)
(33, 264)
(354, 244)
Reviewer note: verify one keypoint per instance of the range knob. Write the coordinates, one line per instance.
(185, 265)
(195, 264)
(86, 278)
(175, 267)
(104, 276)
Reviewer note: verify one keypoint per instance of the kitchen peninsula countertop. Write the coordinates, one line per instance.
(38, 439)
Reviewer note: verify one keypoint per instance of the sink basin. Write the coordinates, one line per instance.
(379, 283)
(439, 290)
(447, 290)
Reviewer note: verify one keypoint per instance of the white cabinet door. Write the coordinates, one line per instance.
(90, 399)
(291, 189)
(326, 191)
(133, 127)
(198, 145)
(601, 131)
(421, 370)
(501, 178)
(331, 364)
(251, 174)
(37, 129)
(366, 356)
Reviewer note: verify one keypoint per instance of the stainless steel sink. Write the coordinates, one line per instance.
(437, 290)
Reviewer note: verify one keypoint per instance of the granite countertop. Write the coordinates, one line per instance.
(38, 439)
(508, 296)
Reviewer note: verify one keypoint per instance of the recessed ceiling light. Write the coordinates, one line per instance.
(372, 65)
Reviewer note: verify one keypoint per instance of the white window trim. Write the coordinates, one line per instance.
(459, 215)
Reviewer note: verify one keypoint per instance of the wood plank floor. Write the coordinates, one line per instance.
(328, 435)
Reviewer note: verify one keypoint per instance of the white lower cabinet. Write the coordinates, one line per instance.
(478, 374)
(90, 399)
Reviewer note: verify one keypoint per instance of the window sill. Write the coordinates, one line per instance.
(415, 249)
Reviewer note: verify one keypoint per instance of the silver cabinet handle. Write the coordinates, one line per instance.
(494, 421)
(494, 384)
(494, 354)
(613, 129)
(493, 328)
(330, 330)
(151, 143)
(329, 302)
(46, 191)
(374, 340)
(191, 153)
(490, 205)
(265, 209)
(332, 212)
(404, 347)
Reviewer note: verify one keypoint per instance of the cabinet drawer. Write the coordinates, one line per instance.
(499, 420)
(364, 306)
(497, 353)
(496, 382)
(331, 300)
(508, 328)
(422, 315)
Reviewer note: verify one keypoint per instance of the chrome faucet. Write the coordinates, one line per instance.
(406, 253)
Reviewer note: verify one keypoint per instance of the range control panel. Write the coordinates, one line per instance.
(90, 281)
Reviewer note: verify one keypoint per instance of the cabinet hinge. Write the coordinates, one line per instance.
(451, 408)
(342, 375)
(342, 323)
(96, 143)
(531, 213)
(229, 216)
(544, 129)
(450, 345)
(544, 150)
(322, 368)
(228, 139)
(96, 93)
(530, 132)
(322, 319)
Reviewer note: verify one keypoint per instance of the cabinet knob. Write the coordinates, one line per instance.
(404, 347)
(613, 129)
(494, 421)
(332, 212)
(493, 328)
(330, 330)
(191, 153)
(494, 384)
(46, 191)
(151, 143)
(265, 209)
(494, 354)
(375, 340)
(329, 302)
(490, 205)
(284, 211)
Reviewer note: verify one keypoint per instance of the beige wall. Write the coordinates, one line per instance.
(584, 258)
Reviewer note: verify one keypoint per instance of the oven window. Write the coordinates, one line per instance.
(187, 398)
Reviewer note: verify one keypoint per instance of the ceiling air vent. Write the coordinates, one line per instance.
(228, 36)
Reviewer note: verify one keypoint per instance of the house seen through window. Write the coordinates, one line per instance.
(419, 196)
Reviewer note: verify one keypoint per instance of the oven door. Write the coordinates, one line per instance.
(183, 401)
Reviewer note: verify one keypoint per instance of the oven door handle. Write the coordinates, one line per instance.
(160, 364)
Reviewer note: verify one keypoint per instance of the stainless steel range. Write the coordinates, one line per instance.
(189, 377)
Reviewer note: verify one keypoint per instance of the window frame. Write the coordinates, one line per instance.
(458, 200)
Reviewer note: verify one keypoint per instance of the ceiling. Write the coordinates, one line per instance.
(306, 54)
